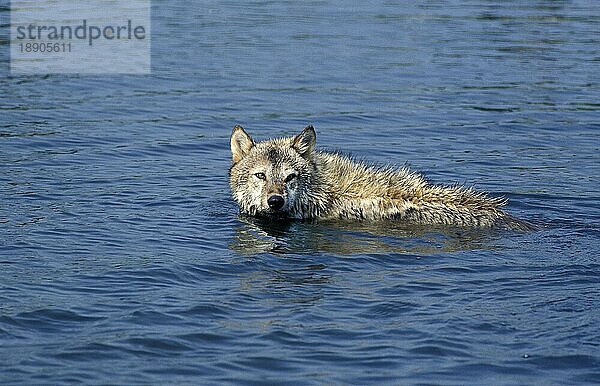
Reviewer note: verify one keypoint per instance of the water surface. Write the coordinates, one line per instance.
(123, 259)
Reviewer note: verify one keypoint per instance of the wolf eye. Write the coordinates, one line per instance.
(260, 176)
(290, 177)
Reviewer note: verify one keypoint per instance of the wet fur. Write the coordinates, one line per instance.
(333, 186)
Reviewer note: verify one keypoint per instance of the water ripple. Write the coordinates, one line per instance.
(124, 260)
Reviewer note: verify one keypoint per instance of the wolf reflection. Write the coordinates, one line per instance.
(256, 235)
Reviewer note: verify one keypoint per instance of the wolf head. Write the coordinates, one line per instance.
(272, 178)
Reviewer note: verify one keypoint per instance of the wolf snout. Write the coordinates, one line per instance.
(275, 202)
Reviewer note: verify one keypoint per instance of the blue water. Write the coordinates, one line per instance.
(123, 259)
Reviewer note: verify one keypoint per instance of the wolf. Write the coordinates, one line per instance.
(288, 178)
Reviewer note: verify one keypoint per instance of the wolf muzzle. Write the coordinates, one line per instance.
(275, 202)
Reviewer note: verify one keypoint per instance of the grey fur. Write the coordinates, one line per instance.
(321, 185)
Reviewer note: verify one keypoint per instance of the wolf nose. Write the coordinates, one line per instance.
(275, 202)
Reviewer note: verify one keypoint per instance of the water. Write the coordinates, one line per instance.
(123, 259)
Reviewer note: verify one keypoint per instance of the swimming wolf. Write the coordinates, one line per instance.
(289, 178)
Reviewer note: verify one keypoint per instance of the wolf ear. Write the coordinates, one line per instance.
(241, 143)
(304, 142)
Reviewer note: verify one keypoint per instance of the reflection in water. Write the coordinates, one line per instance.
(348, 238)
